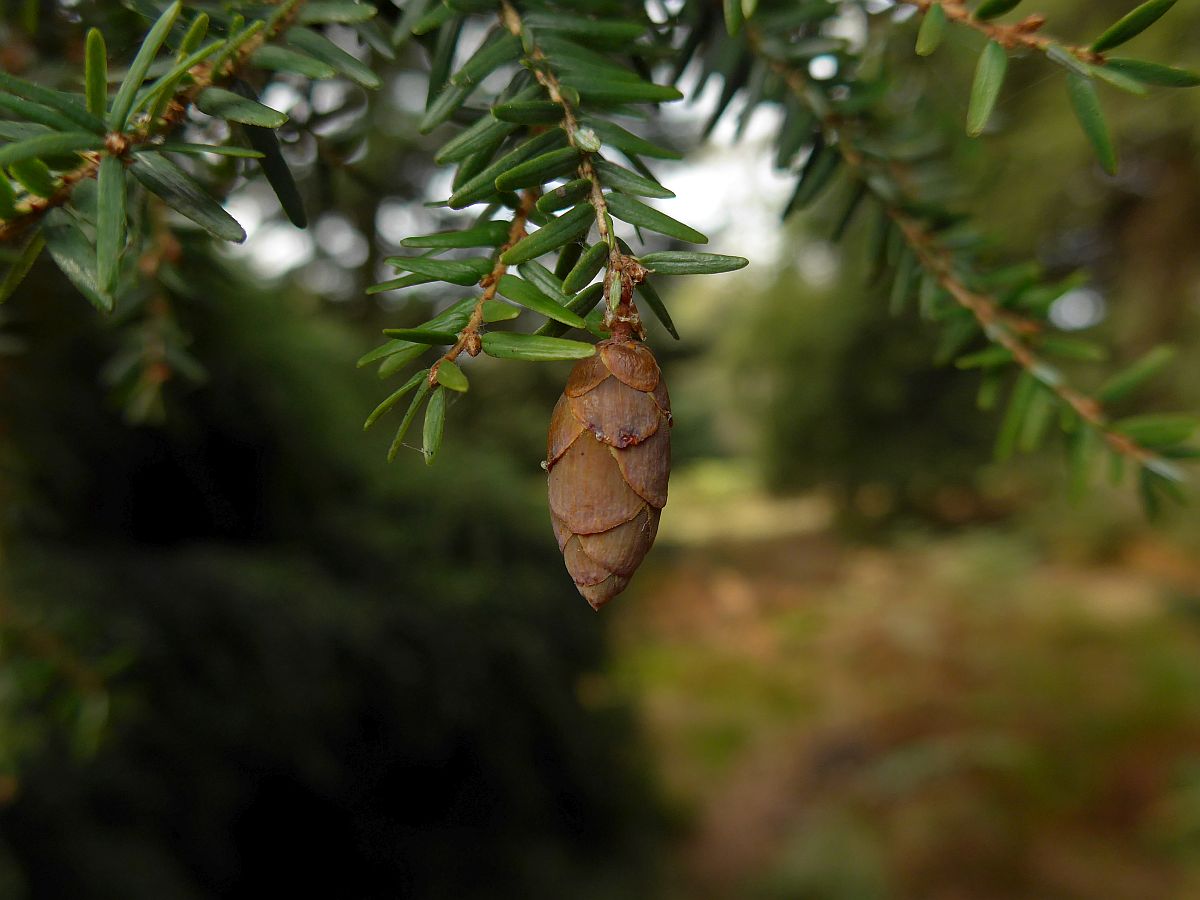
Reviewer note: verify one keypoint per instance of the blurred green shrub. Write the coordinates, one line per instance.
(843, 396)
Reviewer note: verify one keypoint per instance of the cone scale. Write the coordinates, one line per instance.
(608, 456)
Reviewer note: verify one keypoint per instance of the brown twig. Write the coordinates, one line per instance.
(999, 325)
(468, 339)
(202, 76)
(620, 268)
(837, 125)
(1020, 35)
(986, 312)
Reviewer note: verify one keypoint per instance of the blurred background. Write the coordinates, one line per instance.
(243, 656)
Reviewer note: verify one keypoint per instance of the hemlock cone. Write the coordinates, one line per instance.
(609, 457)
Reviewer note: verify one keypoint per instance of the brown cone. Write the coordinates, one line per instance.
(609, 455)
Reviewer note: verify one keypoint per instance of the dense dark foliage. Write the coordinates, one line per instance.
(318, 685)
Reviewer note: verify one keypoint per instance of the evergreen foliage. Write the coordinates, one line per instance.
(541, 105)
(114, 170)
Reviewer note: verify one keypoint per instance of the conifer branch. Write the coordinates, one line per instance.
(999, 326)
(1023, 35)
(622, 272)
(203, 75)
(468, 339)
(989, 315)
(546, 78)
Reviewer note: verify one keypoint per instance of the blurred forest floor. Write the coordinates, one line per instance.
(981, 714)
